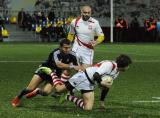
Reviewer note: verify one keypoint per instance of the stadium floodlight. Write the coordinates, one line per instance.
(111, 22)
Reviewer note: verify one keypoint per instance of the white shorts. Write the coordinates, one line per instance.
(80, 82)
(85, 55)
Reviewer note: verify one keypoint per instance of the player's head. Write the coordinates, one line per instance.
(123, 62)
(65, 46)
(85, 12)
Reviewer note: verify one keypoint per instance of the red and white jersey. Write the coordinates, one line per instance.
(104, 68)
(86, 30)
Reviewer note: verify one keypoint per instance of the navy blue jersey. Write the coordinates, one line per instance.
(55, 56)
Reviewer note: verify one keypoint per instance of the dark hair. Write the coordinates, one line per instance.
(64, 41)
(123, 61)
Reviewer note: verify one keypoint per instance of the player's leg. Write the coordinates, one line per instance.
(79, 82)
(88, 99)
(45, 92)
(86, 103)
(59, 86)
(78, 101)
(65, 75)
(36, 79)
(86, 57)
(48, 86)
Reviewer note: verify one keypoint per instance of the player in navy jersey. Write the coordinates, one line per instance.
(60, 61)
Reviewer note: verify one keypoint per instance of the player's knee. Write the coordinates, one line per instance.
(65, 75)
(58, 88)
(66, 72)
(45, 92)
(87, 106)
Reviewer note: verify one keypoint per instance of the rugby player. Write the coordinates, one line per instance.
(60, 59)
(84, 81)
(83, 31)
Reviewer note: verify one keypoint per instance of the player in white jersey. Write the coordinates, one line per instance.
(83, 30)
(85, 81)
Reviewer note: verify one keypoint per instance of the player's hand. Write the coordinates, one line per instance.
(93, 43)
(106, 83)
(79, 68)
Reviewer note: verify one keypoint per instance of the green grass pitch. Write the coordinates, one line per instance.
(131, 95)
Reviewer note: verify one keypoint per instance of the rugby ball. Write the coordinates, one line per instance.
(107, 81)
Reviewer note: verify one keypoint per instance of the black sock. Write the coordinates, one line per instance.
(104, 93)
(24, 92)
(71, 92)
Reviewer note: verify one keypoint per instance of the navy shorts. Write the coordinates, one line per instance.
(44, 76)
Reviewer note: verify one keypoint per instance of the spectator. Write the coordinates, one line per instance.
(51, 15)
(121, 26)
(150, 28)
(21, 18)
(135, 25)
(1, 28)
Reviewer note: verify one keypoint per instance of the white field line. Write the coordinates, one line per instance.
(146, 101)
(32, 61)
(158, 98)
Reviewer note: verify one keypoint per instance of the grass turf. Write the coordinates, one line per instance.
(18, 62)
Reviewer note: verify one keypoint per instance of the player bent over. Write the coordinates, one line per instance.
(59, 60)
(102, 73)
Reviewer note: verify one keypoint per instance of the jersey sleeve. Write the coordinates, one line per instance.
(55, 57)
(104, 68)
(71, 27)
(98, 30)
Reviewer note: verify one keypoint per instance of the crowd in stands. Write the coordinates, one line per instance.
(47, 26)
(101, 8)
(53, 24)
(51, 28)
(131, 31)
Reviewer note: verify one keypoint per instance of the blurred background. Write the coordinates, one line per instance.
(48, 20)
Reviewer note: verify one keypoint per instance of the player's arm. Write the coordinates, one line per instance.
(99, 33)
(63, 65)
(71, 32)
(70, 37)
(59, 62)
(100, 39)
(97, 77)
(69, 66)
(104, 68)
